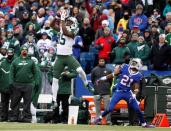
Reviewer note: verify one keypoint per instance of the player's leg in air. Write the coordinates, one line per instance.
(74, 64)
(57, 70)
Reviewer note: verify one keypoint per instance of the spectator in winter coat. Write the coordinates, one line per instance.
(123, 23)
(121, 53)
(142, 50)
(139, 19)
(105, 44)
(100, 31)
(160, 54)
(133, 44)
(87, 34)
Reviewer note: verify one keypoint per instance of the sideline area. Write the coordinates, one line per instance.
(63, 127)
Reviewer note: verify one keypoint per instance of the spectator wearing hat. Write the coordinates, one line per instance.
(160, 54)
(100, 31)
(147, 37)
(4, 83)
(123, 22)
(154, 34)
(33, 50)
(49, 30)
(12, 42)
(133, 44)
(167, 8)
(23, 77)
(45, 40)
(139, 19)
(156, 14)
(25, 18)
(164, 23)
(121, 53)
(142, 50)
(48, 57)
(33, 20)
(87, 34)
(41, 16)
(34, 6)
(105, 44)
(109, 18)
(3, 52)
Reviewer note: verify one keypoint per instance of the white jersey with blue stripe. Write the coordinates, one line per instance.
(126, 78)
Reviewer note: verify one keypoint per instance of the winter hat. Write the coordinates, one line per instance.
(36, 4)
(24, 48)
(10, 50)
(105, 11)
(141, 37)
(162, 36)
(105, 22)
(139, 6)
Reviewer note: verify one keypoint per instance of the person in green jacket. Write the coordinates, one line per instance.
(4, 84)
(12, 42)
(142, 50)
(63, 94)
(132, 44)
(121, 53)
(36, 91)
(23, 77)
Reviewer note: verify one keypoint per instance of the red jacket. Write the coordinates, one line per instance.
(11, 2)
(106, 43)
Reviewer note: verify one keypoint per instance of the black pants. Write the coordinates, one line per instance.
(20, 92)
(65, 105)
(5, 97)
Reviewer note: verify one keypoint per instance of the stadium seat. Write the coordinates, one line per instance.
(87, 61)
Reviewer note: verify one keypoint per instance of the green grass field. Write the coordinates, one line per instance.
(62, 127)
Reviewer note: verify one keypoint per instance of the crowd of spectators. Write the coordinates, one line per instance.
(115, 30)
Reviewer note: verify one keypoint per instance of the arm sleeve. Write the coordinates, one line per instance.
(143, 25)
(72, 74)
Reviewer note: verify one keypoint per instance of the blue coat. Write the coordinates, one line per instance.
(138, 20)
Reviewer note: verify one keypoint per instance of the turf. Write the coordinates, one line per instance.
(62, 127)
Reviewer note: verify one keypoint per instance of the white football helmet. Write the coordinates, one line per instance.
(72, 25)
(135, 63)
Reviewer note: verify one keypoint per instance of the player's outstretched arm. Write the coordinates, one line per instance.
(65, 31)
(112, 75)
(55, 24)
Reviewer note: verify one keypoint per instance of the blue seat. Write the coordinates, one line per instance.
(87, 60)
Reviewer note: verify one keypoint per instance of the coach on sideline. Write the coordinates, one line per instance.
(23, 74)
